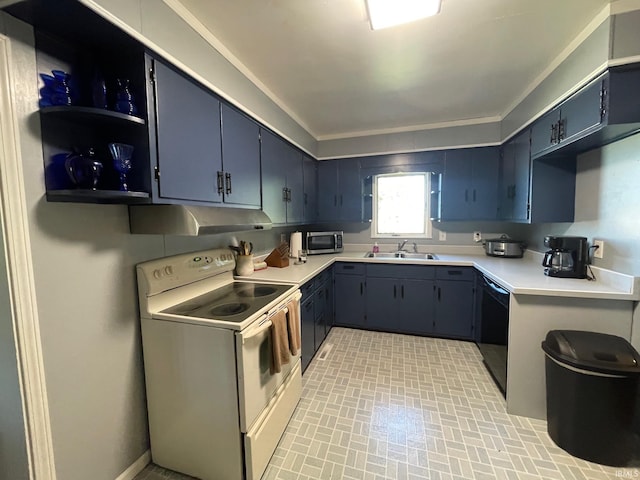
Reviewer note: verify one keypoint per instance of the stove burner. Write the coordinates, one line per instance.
(186, 308)
(255, 292)
(228, 309)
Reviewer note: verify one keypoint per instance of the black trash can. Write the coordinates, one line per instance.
(592, 396)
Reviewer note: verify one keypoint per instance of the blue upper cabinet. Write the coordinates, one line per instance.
(240, 159)
(340, 191)
(514, 179)
(189, 147)
(282, 180)
(469, 188)
(310, 185)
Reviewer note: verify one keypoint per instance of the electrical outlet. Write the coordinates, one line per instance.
(442, 236)
(477, 236)
(283, 237)
(598, 252)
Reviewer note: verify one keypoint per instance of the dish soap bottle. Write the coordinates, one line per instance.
(376, 249)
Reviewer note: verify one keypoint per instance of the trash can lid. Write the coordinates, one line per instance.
(596, 352)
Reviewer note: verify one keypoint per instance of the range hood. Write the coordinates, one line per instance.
(194, 220)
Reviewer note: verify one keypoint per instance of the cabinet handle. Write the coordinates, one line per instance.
(562, 128)
(289, 194)
(554, 133)
(439, 292)
(220, 183)
(284, 194)
(227, 177)
(394, 291)
(306, 199)
(361, 288)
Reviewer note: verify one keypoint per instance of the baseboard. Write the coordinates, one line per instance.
(136, 467)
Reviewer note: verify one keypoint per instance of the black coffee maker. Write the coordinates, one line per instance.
(568, 257)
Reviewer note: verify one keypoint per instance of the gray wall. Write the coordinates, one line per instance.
(84, 270)
(607, 200)
(13, 448)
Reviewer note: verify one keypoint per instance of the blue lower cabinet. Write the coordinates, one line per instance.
(399, 305)
(417, 299)
(349, 295)
(316, 311)
(454, 302)
(307, 325)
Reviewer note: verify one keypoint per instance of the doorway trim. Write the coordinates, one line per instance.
(15, 228)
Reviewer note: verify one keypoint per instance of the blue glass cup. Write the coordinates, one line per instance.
(121, 154)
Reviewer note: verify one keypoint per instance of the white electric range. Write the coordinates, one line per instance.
(215, 409)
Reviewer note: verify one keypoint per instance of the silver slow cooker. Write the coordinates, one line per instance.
(504, 247)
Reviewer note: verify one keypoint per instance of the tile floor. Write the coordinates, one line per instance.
(387, 406)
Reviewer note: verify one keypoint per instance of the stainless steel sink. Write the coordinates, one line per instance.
(418, 256)
(405, 255)
(382, 255)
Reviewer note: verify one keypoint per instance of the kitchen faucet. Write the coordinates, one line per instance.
(401, 245)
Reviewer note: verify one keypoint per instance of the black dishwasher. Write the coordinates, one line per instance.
(493, 331)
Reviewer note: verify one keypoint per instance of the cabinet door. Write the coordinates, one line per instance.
(274, 163)
(307, 333)
(383, 304)
(483, 194)
(454, 309)
(310, 187)
(521, 177)
(581, 112)
(295, 182)
(349, 295)
(507, 180)
(349, 197)
(515, 171)
(544, 134)
(188, 138)
(240, 158)
(417, 304)
(456, 179)
(328, 304)
(328, 190)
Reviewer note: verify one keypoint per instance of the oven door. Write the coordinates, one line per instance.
(256, 384)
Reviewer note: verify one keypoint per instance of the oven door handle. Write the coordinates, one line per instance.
(263, 325)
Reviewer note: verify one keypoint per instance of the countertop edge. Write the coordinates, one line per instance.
(317, 263)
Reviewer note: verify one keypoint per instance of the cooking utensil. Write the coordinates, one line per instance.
(504, 247)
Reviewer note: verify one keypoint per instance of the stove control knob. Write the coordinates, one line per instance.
(168, 270)
(157, 274)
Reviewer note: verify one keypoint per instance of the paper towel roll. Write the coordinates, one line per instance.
(295, 244)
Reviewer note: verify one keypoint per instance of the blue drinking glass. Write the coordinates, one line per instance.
(121, 154)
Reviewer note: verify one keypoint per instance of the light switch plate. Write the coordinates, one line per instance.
(442, 236)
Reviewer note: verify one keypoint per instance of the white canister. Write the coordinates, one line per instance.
(295, 244)
(244, 265)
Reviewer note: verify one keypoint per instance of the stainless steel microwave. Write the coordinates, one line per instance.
(324, 242)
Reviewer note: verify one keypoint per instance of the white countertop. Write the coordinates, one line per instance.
(521, 276)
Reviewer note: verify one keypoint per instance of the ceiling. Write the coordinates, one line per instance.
(321, 62)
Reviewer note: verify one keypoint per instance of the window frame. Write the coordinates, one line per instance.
(428, 227)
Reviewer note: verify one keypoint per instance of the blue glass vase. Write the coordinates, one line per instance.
(125, 103)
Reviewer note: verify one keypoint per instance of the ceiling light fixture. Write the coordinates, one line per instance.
(387, 13)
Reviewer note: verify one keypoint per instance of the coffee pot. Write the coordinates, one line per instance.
(568, 257)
